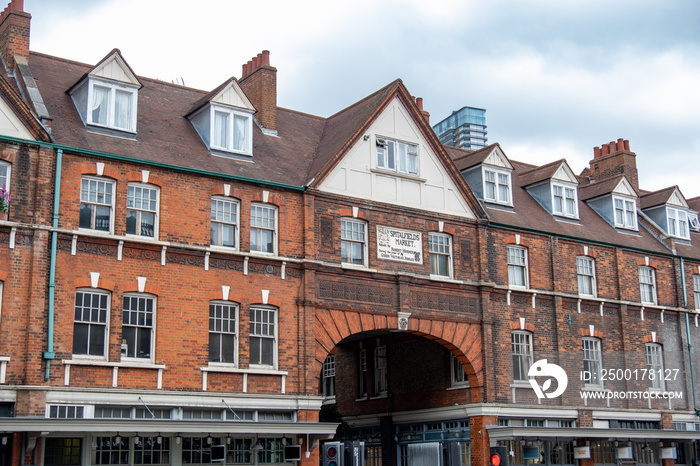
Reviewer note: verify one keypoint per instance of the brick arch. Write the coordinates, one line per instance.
(463, 339)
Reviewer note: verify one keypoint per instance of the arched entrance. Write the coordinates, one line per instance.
(396, 377)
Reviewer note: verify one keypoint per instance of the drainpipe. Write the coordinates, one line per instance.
(49, 353)
(690, 346)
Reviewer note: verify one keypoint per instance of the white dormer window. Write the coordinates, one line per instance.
(231, 130)
(677, 223)
(112, 105)
(497, 186)
(564, 200)
(625, 213)
(693, 221)
(397, 156)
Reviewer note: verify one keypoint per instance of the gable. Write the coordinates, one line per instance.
(233, 96)
(115, 68)
(357, 174)
(624, 188)
(498, 159)
(677, 199)
(11, 125)
(565, 174)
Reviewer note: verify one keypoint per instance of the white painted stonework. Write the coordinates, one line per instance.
(357, 174)
(10, 125)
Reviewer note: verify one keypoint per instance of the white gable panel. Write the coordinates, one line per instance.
(677, 199)
(624, 188)
(11, 125)
(115, 68)
(498, 159)
(565, 174)
(233, 95)
(357, 174)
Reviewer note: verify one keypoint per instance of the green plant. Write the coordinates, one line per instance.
(5, 199)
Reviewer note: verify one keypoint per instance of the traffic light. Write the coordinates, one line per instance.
(498, 456)
(332, 454)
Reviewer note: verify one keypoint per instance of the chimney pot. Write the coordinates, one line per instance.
(596, 152)
(627, 144)
(266, 57)
(620, 144)
(419, 102)
(604, 149)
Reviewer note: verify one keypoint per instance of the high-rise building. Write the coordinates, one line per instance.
(465, 128)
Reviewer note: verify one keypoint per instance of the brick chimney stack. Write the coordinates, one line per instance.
(259, 82)
(614, 159)
(14, 32)
(426, 115)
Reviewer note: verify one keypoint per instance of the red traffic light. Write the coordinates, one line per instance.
(331, 452)
(495, 459)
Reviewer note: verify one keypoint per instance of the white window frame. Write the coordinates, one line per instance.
(267, 335)
(380, 371)
(624, 212)
(2, 288)
(219, 220)
(458, 375)
(231, 115)
(592, 361)
(677, 223)
(519, 267)
(405, 159)
(94, 204)
(141, 210)
(222, 326)
(91, 323)
(440, 246)
(328, 376)
(353, 232)
(647, 285)
(655, 365)
(522, 354)
(585, 271)
(152, 327)
(501, 183)
(6, 178)
(696, 291)
(257, 229)
(112, 88)
(363, 373)
(564, 200)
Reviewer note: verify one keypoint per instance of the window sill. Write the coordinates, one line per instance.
(141, 237)
(104, 363)
(520, 384)
(263, 254)
(364, 398)
(223, 248)
(354, 266)
(408, 176)
(110, 131)
(95, 232)
(458, 386)
(594, 388)
(236, 370)
(379, 397)
(443, 278)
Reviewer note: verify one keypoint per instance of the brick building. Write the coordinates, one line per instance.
(187, 275)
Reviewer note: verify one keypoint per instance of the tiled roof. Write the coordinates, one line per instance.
(657, 197)
(530, 215)
(542, 173)
(598, 188)
(165, 135)
(472, 158)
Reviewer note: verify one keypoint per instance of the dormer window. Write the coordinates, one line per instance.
(694, 223)
(230, 130)
(224, 120)
(112, 105)
(625, 213)
(107, 97)
(564, 200)
(397, 156)
(677, 220)
(497, 186)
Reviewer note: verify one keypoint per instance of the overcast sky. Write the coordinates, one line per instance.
(556, 77)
